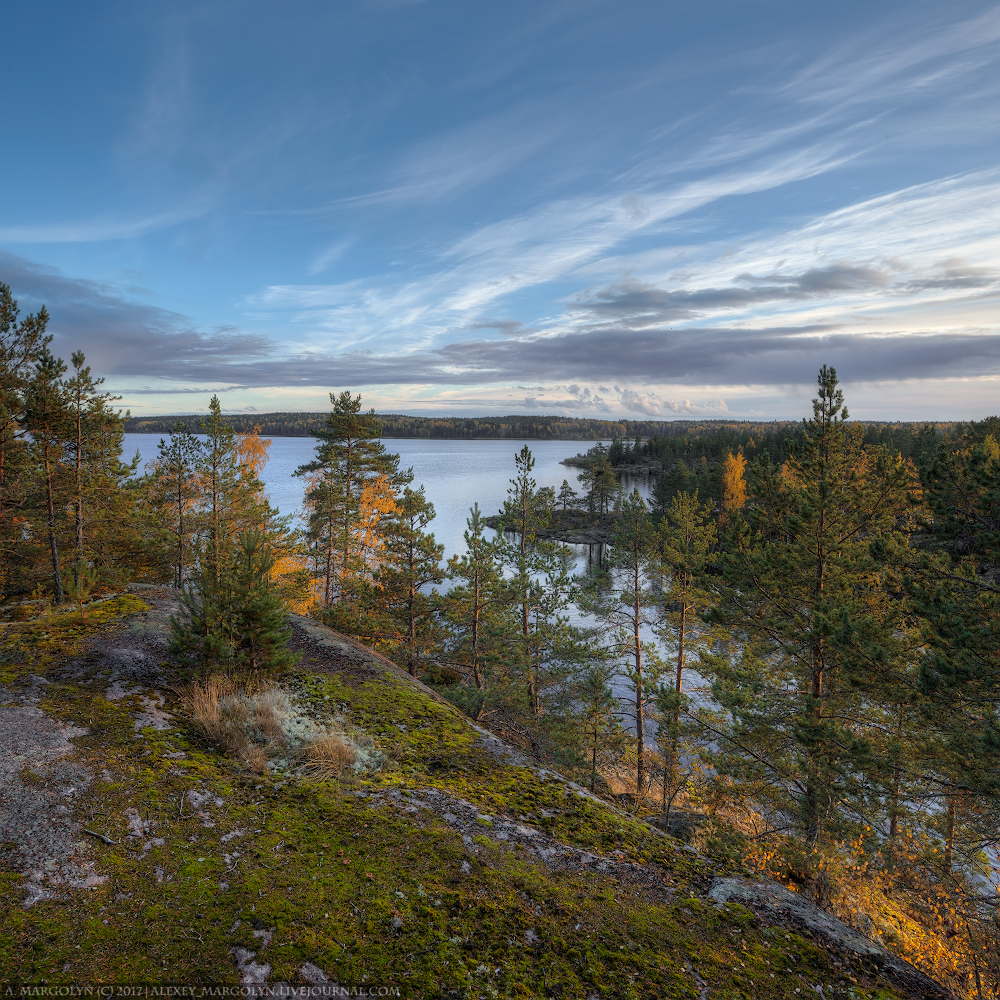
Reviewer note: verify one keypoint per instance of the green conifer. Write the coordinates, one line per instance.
(411, 563)
(815, 629)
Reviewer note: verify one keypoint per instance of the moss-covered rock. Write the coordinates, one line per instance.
(454, 868)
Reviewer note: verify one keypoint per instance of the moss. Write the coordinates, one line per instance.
(367, 893)
(55, 636)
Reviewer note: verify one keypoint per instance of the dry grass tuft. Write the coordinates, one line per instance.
(328, 757)
(255, 723)
(255, 759)
(268, 724)
(245, 724)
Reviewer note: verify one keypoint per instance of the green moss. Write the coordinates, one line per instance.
(367, 893)
(54, 636)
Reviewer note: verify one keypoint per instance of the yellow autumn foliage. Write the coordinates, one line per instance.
(734, 486)
(251, 451)
(377, 501)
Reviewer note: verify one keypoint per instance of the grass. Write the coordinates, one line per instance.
(329, 757)
(243, 721)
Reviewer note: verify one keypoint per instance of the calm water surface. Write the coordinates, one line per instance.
(455, 474)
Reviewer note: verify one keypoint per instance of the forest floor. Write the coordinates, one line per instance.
(132, 850)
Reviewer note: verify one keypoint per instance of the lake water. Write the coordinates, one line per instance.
(455, 474)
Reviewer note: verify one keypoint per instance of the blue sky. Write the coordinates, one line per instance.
(593, 208)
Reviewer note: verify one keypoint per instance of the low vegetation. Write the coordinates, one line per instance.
(398, 875)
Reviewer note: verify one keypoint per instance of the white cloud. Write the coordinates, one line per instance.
(101, 228)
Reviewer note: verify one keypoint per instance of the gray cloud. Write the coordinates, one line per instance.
(128, 338)
(639, 306)
(644, 305)
(123, 336)
(954, 276)
(712, 355)
(508, 327)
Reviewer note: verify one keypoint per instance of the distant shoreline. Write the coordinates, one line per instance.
(395, 425)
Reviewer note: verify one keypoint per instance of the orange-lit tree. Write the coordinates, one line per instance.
(349, 484)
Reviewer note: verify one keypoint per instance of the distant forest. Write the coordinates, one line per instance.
(692, 457)
(401, 425)
(672, 438)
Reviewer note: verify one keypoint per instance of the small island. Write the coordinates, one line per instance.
(573, 527)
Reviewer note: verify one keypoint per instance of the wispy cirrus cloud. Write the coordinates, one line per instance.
(547, 245)
(462, 159)
(893, 63)
(604, 220)
(100, 228)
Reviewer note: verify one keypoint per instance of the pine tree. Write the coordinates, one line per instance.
(686, 539)
(539, 583)
(47, 418)
(203, 629)
(21, 341)
(218, 470)
(232, 614)
(602, 736)
(412, 562)
(177, 488)
(678, 480)
(260, 628)
(627, 604)
(476, 609)
(954, 590)
(568, 498)
(349, 458)
(815, 629)
(324, 499)
(602, 485)
(95, 453)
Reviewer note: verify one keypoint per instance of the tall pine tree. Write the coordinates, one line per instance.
(477, 611)
(47, 418)
(626, 602)
(412, 562)
(815, 630)
(685, 544)
(349, 457)
(21, 341)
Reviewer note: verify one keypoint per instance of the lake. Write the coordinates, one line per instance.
(455, 474)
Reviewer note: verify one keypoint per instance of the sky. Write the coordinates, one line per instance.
(610, 209)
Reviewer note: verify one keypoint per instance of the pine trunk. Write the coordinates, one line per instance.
(53, 546)
(79, 494)
(949, 840)
(640, 722)
(678, 685)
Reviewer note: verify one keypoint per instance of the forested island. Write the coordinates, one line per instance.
(419, 761)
